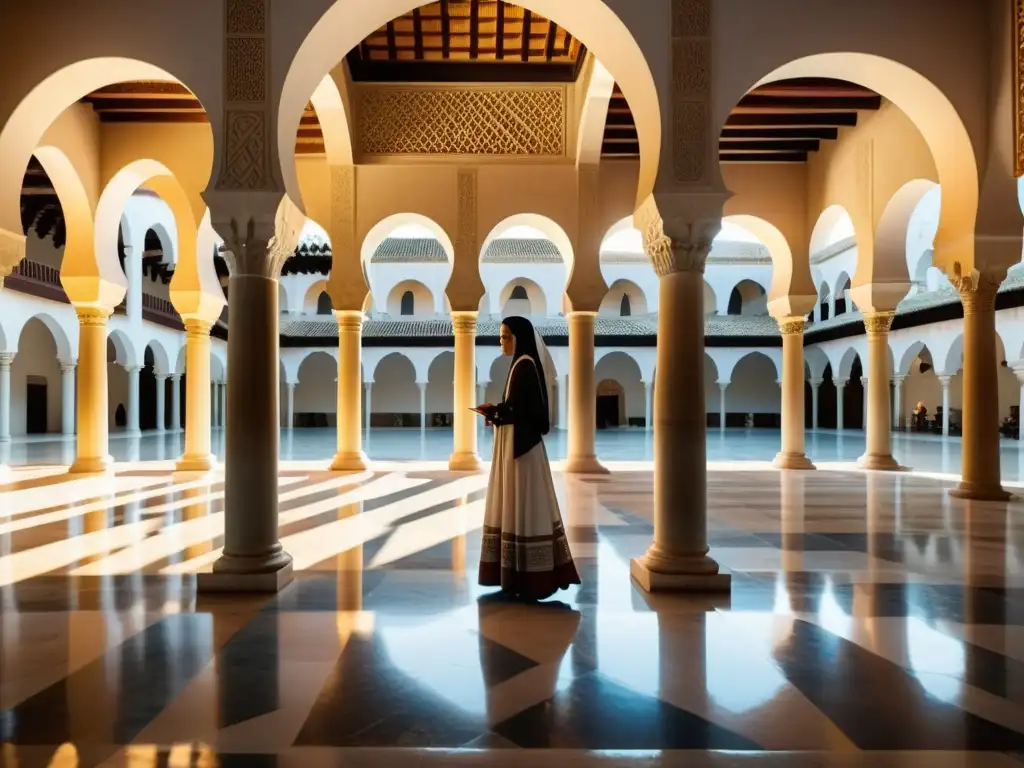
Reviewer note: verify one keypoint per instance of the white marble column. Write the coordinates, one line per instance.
(175, 402)
(422, 385)
(1019, 373)
(6, 358)
(289, 405)
(481, 392)
(815, 384)
(161, 416)
(944, 381)
(648, 406)
(840, 386)
(214, 405)
(67, 398)
(722, 386)
(133, 275)
(224, 404)
(563, 402)
(198, 455)
(93, 417)
(864, 404)
(132, 426)
(897, 402)
(368, 397)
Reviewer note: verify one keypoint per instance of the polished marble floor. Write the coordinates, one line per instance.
(873, 620)
(927, 453)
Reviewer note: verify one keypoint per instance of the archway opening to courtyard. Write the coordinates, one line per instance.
(632, 282)
(396, 393)
(407, 253)
(316, 394)
(36, 396)
(525, 264)
(621, 400)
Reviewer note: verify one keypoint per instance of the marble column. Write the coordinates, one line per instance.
(422, 386)
(214, 405)
(864, 404)
(198, 456)
(878, 432)
(132, 425)
(649, 406)
(944, 381)
(815, 384)
(678, 557)
(67, 398)
(289, 405)
(6, 359)
(722, 411)
(253, 559)
(582, 458)
(464, 456)
(161, 415)
(563, 403)
(350, 456)
(1019, 373)
(92, 453)
(224, 404)
(175, 402)
(897, 401)
(793, 454)
(840, 386)
(368, 398)
(980, 442)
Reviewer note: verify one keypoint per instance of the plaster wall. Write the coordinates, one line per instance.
(36, 358)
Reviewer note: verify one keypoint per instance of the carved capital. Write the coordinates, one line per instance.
(349, 321)
(6, 358)
(791, 326)
(977, 289)
(464, 323)
(878, 323)
(92, 316)
(67, 367)
(197, 329)
(679, 246)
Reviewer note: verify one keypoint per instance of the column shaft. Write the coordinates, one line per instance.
(563, 403)
(877, 430)
(93, 417)
(161, 386)
(251, 546)
(792, 455)
(465, 455)
(678, 557)
(840, 386)
(945, 381)
(648, 406)
(289, 406)
(369, 406)
(132, 427)
(198, 456)
(815, 384)
(722, 387)
(176, 402)
(423, 404)
(980, 475)
(350, 456)
(223, 404)
(582, 456)
(897, 401)
(67, 398)
(6, 359)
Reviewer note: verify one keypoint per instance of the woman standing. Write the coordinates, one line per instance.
(525, 550)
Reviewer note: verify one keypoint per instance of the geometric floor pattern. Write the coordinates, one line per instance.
(873, 620)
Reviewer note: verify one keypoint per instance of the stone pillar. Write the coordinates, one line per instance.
(132, 426)
(563, 403)
(793, 453)
(815, 384)
(897, 401)
(93, 411)
(214, 404)
(224, 404)
(840, 386)
(161, 415)
(649, 406)
(864, 404)
(67, 398)
(980, 443)
(877, 427)
(678, 557)
(582, 458)
(289, 405)
(253, 559)
(464, 457)
(722, 387)
(369, 405)
(6, 359)
(945, 381)
(422, 386)
(198, 456)
(350, 456)
(175, 402)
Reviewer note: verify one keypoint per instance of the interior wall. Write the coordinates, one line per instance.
(752, 388)
(317, 390)
(37, 356)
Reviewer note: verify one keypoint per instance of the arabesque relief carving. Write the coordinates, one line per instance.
(245, 151)
(1018, 86)
(691, 78)
(246, 17)
(462, 121)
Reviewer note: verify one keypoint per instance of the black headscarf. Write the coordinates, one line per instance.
(526, 344)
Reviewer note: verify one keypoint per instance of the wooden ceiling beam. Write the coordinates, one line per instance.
(527, 32)
(787, 145)
(144, 104)
(499, 45)
(445, 28)
(454, 71)
(392, 47)
(153, 117)
(759, 157)
(417, 24)
(474, 27)
(793, 120)
(823, 134)
(552, 33)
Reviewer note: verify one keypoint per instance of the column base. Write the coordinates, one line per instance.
(196, 463)
(350, 462)
(464, 462)
(977, 492)
(880, 461)
(585, 465)
(263, 575)
(792, 461)
(684, 574)
(92, 465)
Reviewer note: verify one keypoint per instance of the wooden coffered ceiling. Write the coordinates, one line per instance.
(468, 41)
(782, 122)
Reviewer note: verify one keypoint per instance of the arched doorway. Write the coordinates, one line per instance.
(611, 404)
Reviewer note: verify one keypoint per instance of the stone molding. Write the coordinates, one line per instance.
(464, 323)
(462, 120)
(197, 329)
(878, 323)
(791, 326)
(977, 289)
(831, 251)
(349, 321)
(93, 315)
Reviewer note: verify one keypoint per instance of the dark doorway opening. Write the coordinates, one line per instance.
(35, 405)
(607, 411)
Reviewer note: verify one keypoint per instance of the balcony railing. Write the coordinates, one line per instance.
(36, 279)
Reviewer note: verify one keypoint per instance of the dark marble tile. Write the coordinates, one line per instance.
(248, 678)
(110, 700)
(57, 594)
(498, 663)
(596, 713)
(878, 704)
(801, 542)
(368, 701)
(739, 540)
(993, 672)
(319, 592)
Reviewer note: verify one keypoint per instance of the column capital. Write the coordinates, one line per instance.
(133, 369)
(864, 380)
(840, 383)
(677, 244)
(977, 289)
(175, 376)
(293, 384)
(944, 380)
(878, 323)
(195, 328)
(422, 385)
(816, 382)
(67, 366)
(899, 378)
(260, 230)
(464, 322)
(6, 358)
(161, 376)
(93, 315)
(350, 320)
(723, 385)
(791, 326)
(1018, 370)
